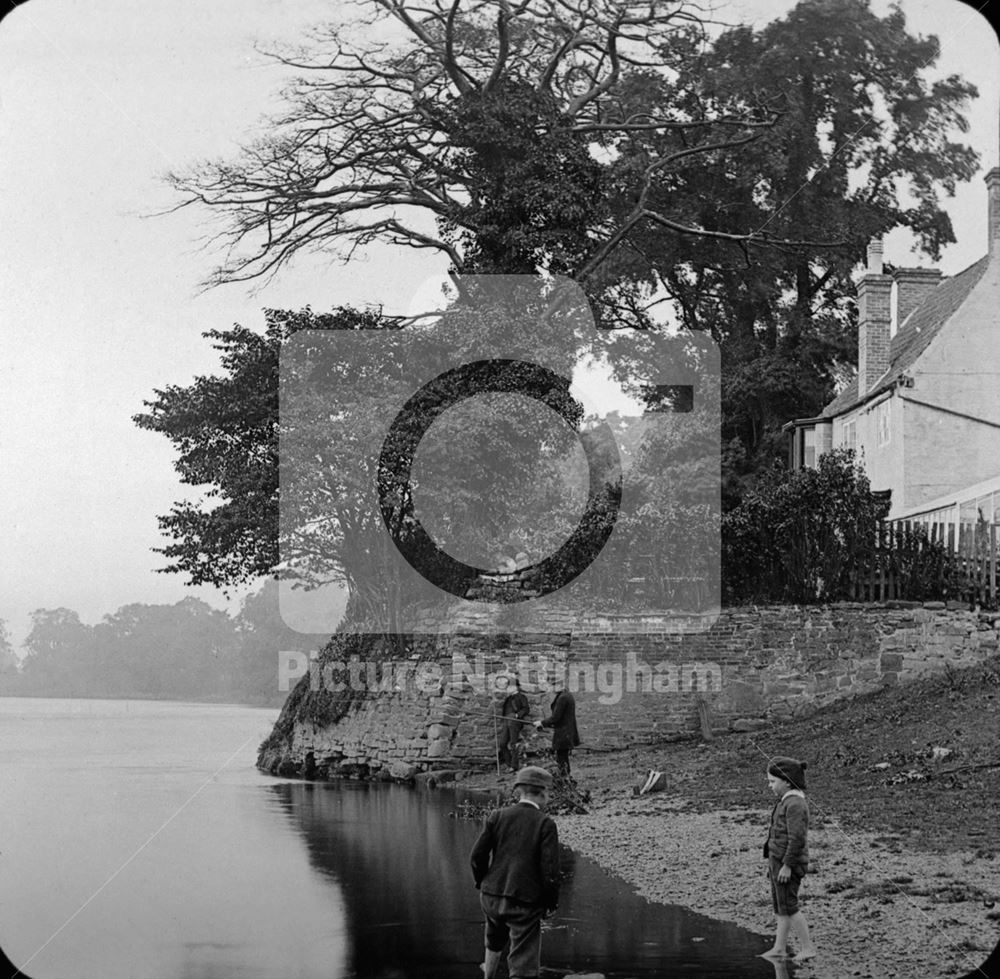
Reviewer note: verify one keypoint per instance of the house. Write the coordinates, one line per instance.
(923, 413)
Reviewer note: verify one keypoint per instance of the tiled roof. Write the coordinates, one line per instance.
(912, 338)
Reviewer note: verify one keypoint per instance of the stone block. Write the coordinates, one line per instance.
(772, 689)
(749, 724)
(440, 748)
(402, 771)
(742, 697)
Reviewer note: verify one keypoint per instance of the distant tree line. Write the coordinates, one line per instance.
(185, 651)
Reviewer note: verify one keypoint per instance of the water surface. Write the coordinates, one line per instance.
(137, 840)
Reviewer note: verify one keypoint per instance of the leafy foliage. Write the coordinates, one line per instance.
(864, 143)
(8, 660)
(738, 179)
(805, 536)
(488, 468)
(537, 188)
(225, 431)
(796, 535)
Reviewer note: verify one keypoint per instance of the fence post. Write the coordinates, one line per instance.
(993, 564)
(893, 561)
(940, 560)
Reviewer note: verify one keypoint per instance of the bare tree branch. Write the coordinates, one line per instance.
(382, 126)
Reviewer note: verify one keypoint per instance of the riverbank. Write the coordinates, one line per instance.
(904, 839)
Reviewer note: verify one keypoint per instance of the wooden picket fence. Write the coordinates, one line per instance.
(922, 562)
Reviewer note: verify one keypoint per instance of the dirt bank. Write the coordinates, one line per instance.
(904, 839)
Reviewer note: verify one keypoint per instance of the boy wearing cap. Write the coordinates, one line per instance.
(787, 851)
(515, 864)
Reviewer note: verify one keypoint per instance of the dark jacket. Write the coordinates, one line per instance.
(562, 720)
(516, 705)
(787, 838)
(517, 856)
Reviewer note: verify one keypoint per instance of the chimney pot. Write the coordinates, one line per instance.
(875, 255)
(993, 190)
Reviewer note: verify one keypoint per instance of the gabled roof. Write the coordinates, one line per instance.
(913, 336)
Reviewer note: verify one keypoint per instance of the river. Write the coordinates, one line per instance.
(137, 841)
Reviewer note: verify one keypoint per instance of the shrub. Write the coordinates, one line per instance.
(797, 534)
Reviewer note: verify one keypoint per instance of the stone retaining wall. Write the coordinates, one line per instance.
(636, 682)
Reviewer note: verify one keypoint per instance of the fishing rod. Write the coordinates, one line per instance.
(479, 711)
(486, 712)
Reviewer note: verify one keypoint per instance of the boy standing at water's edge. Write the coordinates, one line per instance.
(787, 852)
(515, 864)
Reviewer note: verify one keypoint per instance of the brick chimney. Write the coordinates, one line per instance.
(874, 318)
(993, 186)
(913, 286)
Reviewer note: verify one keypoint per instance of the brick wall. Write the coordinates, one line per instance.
(636, 682)
(874, 321)
(913, 287)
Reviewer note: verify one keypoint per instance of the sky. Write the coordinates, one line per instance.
(100, 300)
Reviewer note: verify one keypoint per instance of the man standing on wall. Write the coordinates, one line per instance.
(562, 720)
(513, 721)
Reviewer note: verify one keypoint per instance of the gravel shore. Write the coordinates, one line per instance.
(904, 844)
(875, 907)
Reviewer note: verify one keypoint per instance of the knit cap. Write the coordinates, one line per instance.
(790, 769)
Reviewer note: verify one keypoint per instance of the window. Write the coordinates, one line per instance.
(809, 448)
(882, 430)
(850, 438)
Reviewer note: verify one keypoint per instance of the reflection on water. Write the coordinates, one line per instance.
(138, 842)
(413, 911)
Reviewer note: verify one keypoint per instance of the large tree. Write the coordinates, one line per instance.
(737, 179)
(488, 471)
(865, 143)
(490, 131)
